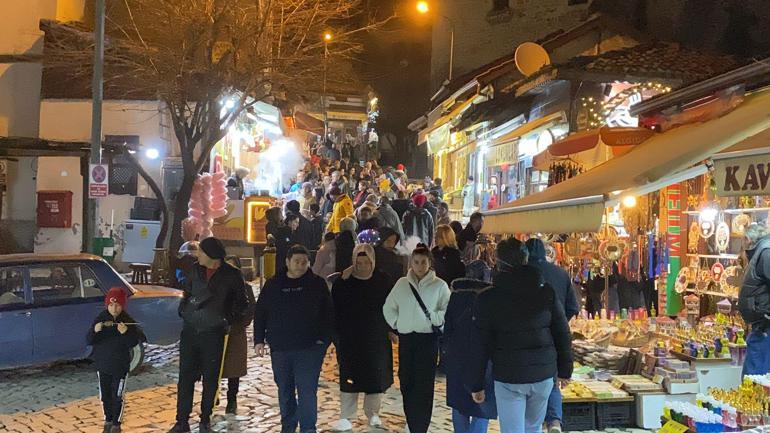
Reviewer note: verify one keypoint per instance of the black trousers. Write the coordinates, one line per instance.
(417, 356)
(200, 355)
(111, 390)
(233, 384)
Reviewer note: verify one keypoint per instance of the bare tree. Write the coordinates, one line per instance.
(191, 54)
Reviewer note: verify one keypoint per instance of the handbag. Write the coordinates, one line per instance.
(436, 329)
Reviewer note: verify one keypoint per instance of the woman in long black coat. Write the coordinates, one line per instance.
(363, 348)
(447, 260)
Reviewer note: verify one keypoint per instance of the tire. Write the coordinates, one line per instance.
(137, 357)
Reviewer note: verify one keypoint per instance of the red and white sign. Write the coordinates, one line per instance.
(98, 186)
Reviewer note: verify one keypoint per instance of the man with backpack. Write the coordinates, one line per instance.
(754, 300)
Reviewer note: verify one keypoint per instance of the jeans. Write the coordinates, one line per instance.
(554, 411)
(521, 407)
(296, 373)
(417, 356)
(466, 424)
(757, 354)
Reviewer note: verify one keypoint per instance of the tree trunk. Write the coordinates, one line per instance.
(181, 206)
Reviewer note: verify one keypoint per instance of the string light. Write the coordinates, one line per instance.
(598, 111)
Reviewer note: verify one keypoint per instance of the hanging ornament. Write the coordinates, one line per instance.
(717, 271)
(693, 201)
(707, 229)
(739, 224)
(610, 250)
(693, 236)
(681, 280)
(722, 236)
(550, 253)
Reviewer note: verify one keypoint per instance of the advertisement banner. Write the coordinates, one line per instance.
(747, 175)
(673, 203)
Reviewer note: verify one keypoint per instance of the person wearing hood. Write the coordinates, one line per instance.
(214, 297)
(343, 208)
(415, 308)
(529, 342)
(389, 217)
(364, 351)
(294, 316)
(461, 339)
(561, 284)
(446, 257)
(754, 300)
(392, 264)
(324, 264)
(418, 221)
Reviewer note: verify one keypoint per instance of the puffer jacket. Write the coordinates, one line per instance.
(523, 330)
(343, 208)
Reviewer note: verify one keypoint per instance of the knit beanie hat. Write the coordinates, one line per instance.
(116, 294)
(419, 200)
(213, 248)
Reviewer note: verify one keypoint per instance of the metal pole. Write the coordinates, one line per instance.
(451, 50)
(323, 98)
(96, 117)
(97, 86)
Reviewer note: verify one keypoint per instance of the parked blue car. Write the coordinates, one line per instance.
(48, 302)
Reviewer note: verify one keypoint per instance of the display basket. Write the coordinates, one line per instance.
(615, 414)
(579, 416)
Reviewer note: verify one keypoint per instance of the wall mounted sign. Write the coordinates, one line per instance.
(748, 175)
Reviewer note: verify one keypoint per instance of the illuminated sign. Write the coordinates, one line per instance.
(255, 219)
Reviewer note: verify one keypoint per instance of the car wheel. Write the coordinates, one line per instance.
(137, 357)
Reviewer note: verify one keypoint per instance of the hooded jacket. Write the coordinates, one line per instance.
(418, 222)
(343, 208)
(523, 330)
(555, 276)
(390, 219)
(754, 296)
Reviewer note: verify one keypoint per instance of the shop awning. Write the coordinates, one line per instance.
(444, 120)
(529, 127)
(662, 155)
(308, 123)
(586, 140)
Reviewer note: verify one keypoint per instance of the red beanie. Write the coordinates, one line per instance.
(419, 200)
(116, 294)
(400, 167)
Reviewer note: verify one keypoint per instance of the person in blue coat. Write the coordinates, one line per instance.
(460, 339)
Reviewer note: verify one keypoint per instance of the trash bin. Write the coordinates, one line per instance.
(104, 248)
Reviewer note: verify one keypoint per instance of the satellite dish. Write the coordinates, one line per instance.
(530, 57)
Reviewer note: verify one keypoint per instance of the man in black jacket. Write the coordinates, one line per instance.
(525, 333)
(471, 232)
(304, 234)
(294, 316)
(213, 298)
(561, 283)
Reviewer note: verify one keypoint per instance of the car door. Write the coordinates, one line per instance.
(15, 319)
(66, 298)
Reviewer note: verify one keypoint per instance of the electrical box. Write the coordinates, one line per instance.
(54, 209)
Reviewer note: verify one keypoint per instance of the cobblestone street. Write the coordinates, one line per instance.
(64, 398)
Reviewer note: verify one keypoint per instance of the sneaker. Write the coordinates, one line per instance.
(554, 428)
(107, 427)
(232, 407)
(204, 427)
(115, 428)
(342, 425)
(375, 421)
(180, 427)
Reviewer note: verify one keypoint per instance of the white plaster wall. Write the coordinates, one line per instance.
(61, 174)
(19, 201)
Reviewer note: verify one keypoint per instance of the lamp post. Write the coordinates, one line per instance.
(423, 7)
(327, 39)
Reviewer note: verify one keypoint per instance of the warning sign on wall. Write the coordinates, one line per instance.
(98, 186)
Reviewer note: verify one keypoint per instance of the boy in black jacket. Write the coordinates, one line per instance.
(112, 336)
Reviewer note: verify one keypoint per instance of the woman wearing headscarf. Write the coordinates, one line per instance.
(363, 347)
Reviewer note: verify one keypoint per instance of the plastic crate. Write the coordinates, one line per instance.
(615, 414)
(579, 416)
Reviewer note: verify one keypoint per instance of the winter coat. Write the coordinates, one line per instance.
(293, 313)
(324, 260)
(400, 206)
(212, 304)
(111, 349)
(283, 239)
(523, 330)
(343, 208)
(448, 264)
(754, 296)
(391, 264)
(418, 222)
(372, 223)
(556, 277)
(237, 346)
(403, 312)
(467, 238)
(432, 210)
(461, 339)
(391, 219)
(304, 234)
(343, 256)
(364, 351)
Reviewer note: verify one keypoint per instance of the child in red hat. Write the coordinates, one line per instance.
(113, 335)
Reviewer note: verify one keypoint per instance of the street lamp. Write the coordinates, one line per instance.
(327, 38)
(424, 8)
